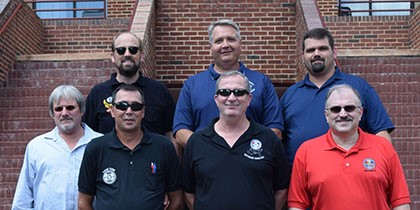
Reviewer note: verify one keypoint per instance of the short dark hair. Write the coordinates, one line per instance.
(318, 33)
(127, 87)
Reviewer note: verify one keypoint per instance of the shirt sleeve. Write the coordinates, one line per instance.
(173, 179)
(169, 109)
(375, 117)
(183, 112)
(88, 171)
(399, 193)
(24, 195)
(271, 106)
(188, 176)
(298, 196)
(90, 112)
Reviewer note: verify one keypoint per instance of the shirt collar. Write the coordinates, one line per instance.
(116, 143)
(338, 75)
(115, 83)
(215, 75)
(361, 143)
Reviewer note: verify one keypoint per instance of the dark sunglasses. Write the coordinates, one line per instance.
(236, 92)
(348, 108)
(60, 108)
(132, 50)
(123, 106)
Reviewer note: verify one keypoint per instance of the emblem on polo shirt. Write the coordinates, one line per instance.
(369, 164)
(255, 150)
(109, 176)
(252, 86)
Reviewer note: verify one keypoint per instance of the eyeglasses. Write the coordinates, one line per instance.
(236, 92)
(123, 106)
(132, 50)
(68, 108)
(337, 109)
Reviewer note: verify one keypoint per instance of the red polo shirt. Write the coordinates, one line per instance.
(368, 176)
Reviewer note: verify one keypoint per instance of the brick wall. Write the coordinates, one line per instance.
(377, 32)
(267, 30)
(397, 81)
(88, 36)
(414, 23)
(16, 36)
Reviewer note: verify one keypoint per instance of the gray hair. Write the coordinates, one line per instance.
(343, 86)
(223, 22)
(230, 74)
(68, 92)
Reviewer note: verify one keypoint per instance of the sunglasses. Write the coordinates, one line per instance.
(68, 108)
(123, 106)
(236, 92)
(337, 109)
(132, 50)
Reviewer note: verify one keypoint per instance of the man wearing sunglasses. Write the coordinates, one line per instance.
(195, 107)
(127, 56)
(130, 168)
(347, 168)
(48, 179)
(234, 163)
(303, 102)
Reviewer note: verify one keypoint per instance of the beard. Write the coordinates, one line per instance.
(128, 72)
(318, 67)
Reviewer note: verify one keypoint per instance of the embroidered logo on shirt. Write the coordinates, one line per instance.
(369, 164)
(107, 102)
(109, 176)
(255, 150)
(252, 86)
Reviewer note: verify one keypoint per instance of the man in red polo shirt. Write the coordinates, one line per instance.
(347, 168)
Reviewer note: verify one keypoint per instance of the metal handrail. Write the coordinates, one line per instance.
(345, 7)
(73, 11)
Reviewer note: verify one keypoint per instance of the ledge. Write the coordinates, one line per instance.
(65, 57)
(377, 53)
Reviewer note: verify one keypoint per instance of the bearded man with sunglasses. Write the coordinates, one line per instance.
(303, 102)
(234, 163)
(347, 168)
(127, 56)
(48, 178)
(130, 168)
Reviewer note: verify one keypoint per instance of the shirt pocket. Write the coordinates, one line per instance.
(155, 179)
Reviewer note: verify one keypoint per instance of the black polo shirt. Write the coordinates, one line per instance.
(159, 111)
(242, 177)
(121, 178)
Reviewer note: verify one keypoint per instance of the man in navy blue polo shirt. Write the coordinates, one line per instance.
(303, 103)
(195, 107)
(234, 163)
(130, 168)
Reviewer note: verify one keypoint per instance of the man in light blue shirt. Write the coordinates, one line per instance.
(49, 175)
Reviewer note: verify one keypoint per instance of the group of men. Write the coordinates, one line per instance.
(324, 145)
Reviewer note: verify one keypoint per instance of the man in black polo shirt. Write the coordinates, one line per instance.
(127, 55)
(234, 163)
(130, 168)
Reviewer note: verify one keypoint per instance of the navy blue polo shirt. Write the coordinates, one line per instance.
(196, 108)
(159, 111)
(121, 178)
(242, 177)
(303, 107)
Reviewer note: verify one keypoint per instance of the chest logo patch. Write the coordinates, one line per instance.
(109, 176)
(369, 164)
(255, 150)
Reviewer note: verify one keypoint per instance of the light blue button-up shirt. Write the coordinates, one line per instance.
(50, 171)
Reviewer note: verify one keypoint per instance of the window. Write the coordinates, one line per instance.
(67, 9)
